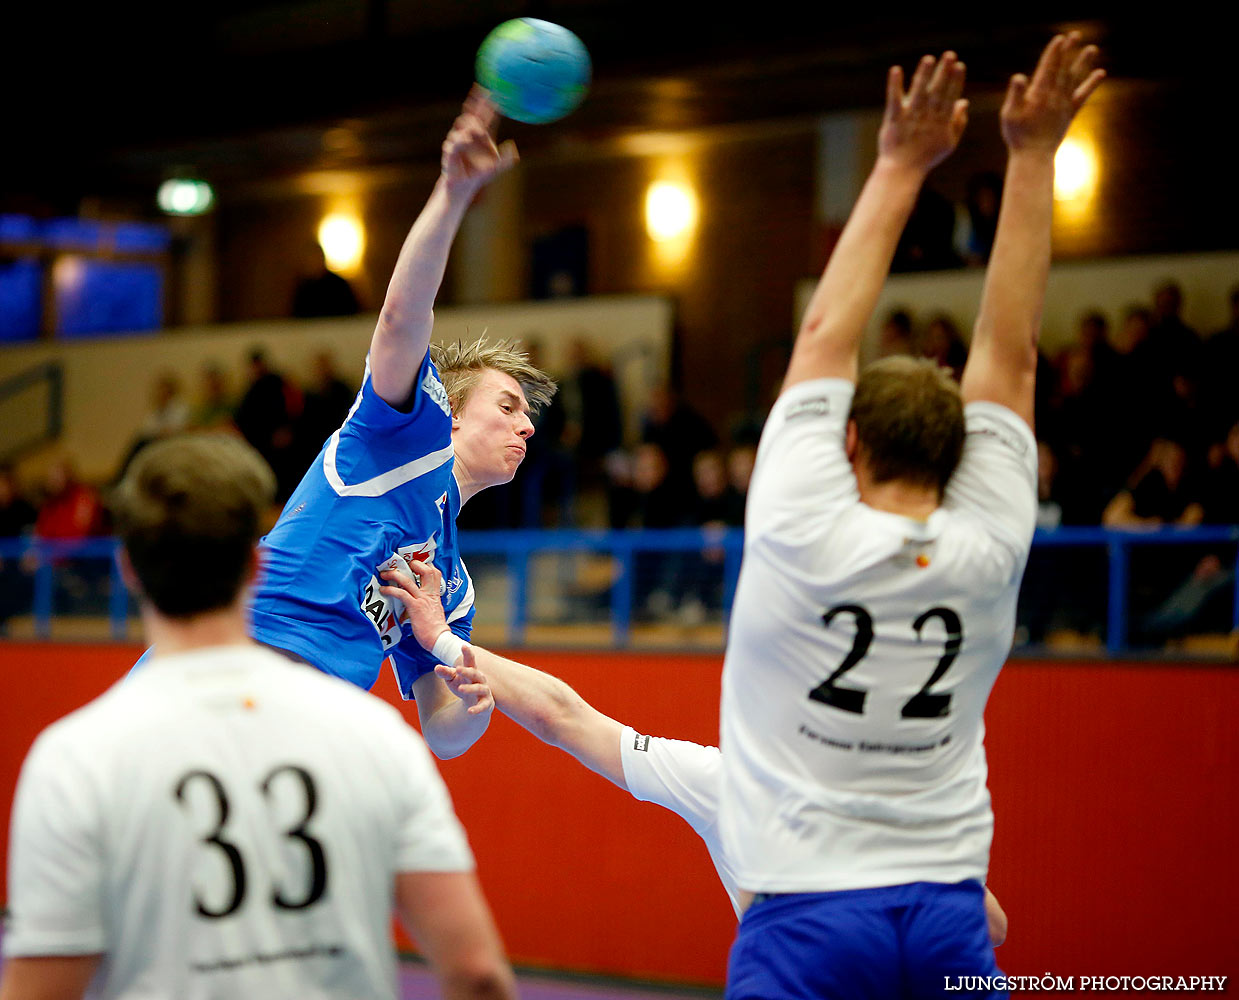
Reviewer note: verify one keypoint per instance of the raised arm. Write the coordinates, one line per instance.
(402, 336)
(545, 705)
(919, 129)
(1002, 361)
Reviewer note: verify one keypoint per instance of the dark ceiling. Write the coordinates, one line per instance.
(104, 101)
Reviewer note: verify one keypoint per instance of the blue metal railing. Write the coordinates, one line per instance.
(516, 548)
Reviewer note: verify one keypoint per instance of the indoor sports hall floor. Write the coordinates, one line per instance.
(417, 983)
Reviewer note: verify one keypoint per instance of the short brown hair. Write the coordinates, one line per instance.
(909, 421)
(461, 366)
(189, 511)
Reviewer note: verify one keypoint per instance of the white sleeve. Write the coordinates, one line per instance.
(430, 838)
(802, 476)
(680, 776)
(687, 779)
(996, 479)
(55, 860)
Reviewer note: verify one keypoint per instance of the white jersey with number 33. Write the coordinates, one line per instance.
(226, 823)
(863, 649)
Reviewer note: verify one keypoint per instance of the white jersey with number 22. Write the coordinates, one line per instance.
(863, 649)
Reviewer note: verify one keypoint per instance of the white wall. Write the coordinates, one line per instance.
(108, 382)
(1108, 285)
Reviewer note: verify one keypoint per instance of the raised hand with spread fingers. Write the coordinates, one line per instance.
(922, 126)
(1037, 113)
(1002, 360)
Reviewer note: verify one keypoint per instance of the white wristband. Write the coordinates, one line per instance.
(448, 648)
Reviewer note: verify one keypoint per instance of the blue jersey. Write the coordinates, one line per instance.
(380, 493)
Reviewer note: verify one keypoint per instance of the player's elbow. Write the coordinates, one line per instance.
(448, 742)
(398, 319)
(479, 976)
(443, 751)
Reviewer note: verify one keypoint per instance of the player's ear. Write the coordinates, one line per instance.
(851, 440)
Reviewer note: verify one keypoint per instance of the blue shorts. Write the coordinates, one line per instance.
(876, 944)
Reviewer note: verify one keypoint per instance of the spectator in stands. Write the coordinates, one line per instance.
(72, 510)
(1220, 491)
(1172, 346)
(266, 418)
(1184, 417)
(1078, 429)
(1039, 593)
(215, 407)
(896, 335)
(656, 504)
(976, 225)
(320, 291)
(16, 512)
(326, 404)
(17, 516)
(593, 425)
(169, 414)
(927, 240)
(1221, 363)
(716, 507)
(1134, 396)
(740, 461)
(1203, 600)
(1093, 336)
(713, 503)
(680, 432)
(1157, 493)
(1134, 331)
(941, 343)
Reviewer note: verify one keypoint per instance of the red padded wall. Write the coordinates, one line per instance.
(1113, 786)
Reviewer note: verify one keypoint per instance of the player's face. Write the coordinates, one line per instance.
(490, 432)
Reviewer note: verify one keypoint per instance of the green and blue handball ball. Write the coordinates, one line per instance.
(535, 71)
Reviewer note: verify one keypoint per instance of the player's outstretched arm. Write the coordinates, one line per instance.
(470, 159)
(540, 703)
(1002, 361)
(447, 916)
(919, 129)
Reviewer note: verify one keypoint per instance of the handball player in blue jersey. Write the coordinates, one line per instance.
(429, 429)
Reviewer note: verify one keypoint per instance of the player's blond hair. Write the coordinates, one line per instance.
(189, 510)
(909, 421)
(461, 366)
